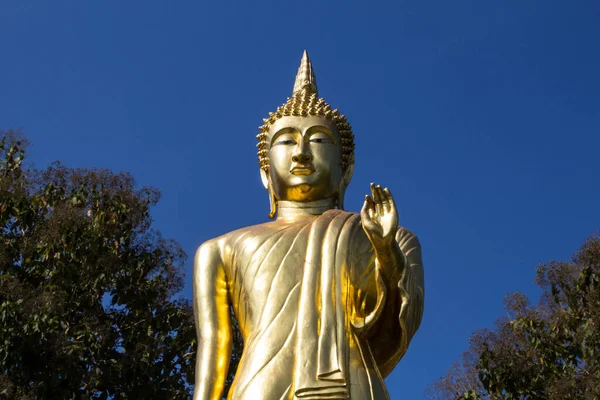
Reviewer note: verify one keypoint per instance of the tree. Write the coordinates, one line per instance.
(548, 351)
(87, 288)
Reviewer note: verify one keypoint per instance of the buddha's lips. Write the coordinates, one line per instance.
(302, 170)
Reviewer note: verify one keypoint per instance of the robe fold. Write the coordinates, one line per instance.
(318, 319)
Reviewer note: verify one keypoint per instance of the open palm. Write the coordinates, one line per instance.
(379, 216)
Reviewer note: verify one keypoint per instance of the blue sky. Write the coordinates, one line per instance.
(482, 117)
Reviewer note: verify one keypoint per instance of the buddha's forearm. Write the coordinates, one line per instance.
(390, 264)
(391, 261)
(212, 361)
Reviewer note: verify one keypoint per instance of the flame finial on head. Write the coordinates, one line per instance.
(305, 79)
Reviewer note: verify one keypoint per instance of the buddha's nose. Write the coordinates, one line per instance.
(302, 158)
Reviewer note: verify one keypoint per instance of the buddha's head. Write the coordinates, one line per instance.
(306, 148)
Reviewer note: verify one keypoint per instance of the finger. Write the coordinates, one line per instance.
(388, 194)
(374, 200)
(388, 203)
(384, 199)
(378, 200)
(390, 199)
(392, 203)
(371, 202)
(364, 212)
(376, 194)
(370, 207)
(368, 225)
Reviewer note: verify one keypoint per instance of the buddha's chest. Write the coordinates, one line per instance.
(263, 266)
(269, 263)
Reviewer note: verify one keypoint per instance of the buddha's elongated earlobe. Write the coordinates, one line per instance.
(272, 201)
(266, 181)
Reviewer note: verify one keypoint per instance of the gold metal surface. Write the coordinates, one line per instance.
(327, 300)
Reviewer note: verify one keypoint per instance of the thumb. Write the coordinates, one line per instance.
(364, 211)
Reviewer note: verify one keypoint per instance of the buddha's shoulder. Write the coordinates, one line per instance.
(230, 239)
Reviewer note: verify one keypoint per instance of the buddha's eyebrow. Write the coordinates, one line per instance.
(287, 129)
(322, 129)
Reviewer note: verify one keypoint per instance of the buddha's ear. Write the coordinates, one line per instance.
(266, 181)
(348, 172)
(264, 178)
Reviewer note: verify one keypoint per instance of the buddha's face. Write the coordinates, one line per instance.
(305, 159)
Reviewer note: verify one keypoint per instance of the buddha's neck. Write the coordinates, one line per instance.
(295, 209)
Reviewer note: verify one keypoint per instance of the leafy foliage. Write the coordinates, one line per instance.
(548, 351)
(87, 306)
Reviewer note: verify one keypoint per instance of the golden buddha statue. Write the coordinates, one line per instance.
(327, 300)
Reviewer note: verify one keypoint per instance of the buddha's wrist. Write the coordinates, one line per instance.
(391, 260)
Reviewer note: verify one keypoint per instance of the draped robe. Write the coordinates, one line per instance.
(318, 319)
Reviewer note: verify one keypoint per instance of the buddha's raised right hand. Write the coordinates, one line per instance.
(379, 218)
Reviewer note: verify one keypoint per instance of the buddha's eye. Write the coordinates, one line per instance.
(320, 138)
(285, 140)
